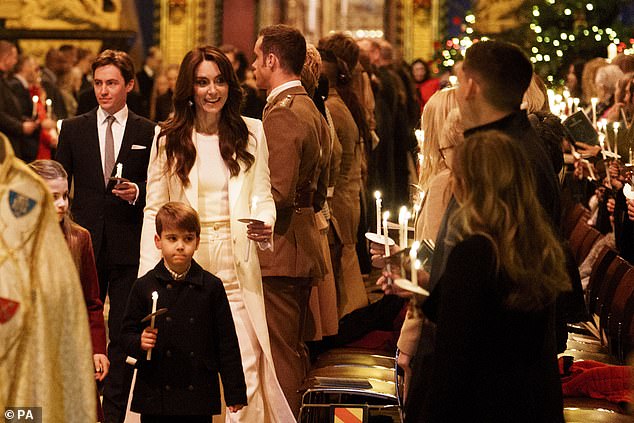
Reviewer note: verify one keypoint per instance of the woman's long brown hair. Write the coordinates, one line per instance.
(232, 130)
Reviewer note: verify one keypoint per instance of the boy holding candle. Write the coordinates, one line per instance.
(193, 341)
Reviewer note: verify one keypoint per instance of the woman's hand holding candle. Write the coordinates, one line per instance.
(259, 231)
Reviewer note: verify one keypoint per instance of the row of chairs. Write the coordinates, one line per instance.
(610, 289)
(352, 385)
(608, 335)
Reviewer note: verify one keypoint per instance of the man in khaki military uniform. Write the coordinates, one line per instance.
(295, 132)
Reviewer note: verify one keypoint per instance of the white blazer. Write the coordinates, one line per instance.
(164, 186)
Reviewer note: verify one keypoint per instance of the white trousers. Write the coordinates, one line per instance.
(215, 255)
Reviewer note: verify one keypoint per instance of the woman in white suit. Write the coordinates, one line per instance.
(208, 156)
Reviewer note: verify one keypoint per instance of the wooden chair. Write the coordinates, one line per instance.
(616, 317)
(627, 331)
(587, 333)
(615, 272)
(577, 236)
(572, 217)
(592, 237)
(354, 356)
(595, 411)
(597, 276)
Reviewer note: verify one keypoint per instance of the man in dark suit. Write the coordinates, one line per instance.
(298, 139)
(12, 124)
(55, 65)
(26, 72)
(92, 148)
(146, 77)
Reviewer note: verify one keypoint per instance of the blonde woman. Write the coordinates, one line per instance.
(432, 122)
(437, 197)
(441, 122)
(494, 310)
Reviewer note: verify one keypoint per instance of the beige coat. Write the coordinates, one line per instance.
(162, 187)
(346, 207)
(427, 225)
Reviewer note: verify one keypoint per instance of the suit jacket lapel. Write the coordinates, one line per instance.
(128, 138)
(235, 186)
(4, 85)
(92, 144)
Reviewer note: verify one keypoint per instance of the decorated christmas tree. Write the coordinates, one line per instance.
(554, 33)
(562, 31)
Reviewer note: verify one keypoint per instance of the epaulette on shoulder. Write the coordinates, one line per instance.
(288, 100)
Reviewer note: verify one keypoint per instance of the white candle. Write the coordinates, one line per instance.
(254, 206)
(612, 51)
(49, 108)
(575, 101)
(386, 216)
(386, 238)
(402, 227)
(615, 128)
(377, 196)
(408, 215)
(594, 102)
(569, 102)
(603, 127)
(413, 255)
(254, 213)
(602, 144)
(119, 173)
(35, 99)
(154, 302)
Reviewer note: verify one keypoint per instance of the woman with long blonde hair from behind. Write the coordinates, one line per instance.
(494, 304)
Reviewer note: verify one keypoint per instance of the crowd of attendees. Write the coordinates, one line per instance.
(611, 85)
(298, 141)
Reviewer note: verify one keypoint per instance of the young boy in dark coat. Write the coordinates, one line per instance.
(192, 342)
